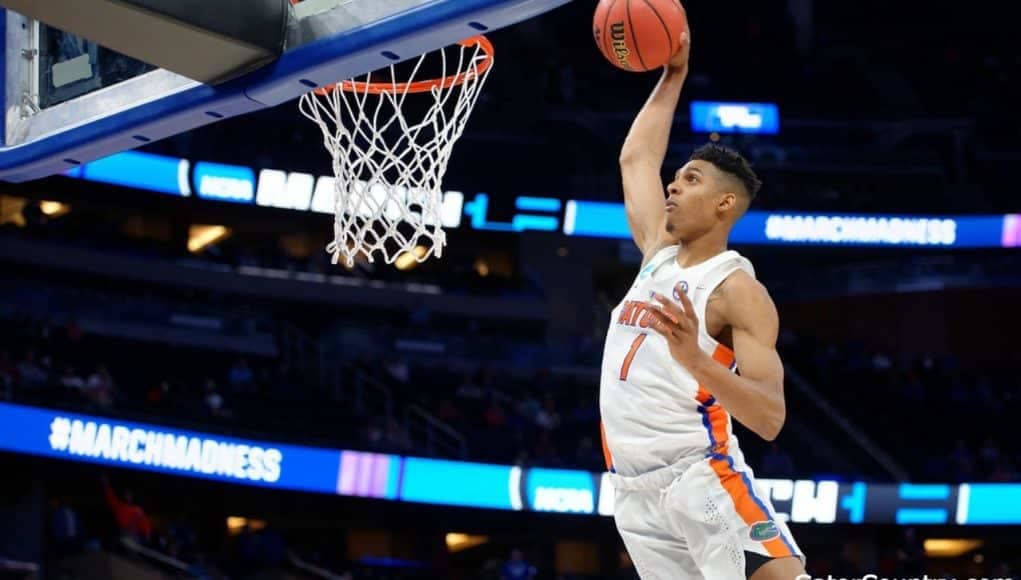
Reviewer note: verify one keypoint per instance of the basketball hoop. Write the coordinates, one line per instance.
(390, 153)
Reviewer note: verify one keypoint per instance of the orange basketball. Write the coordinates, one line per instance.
(639, 35)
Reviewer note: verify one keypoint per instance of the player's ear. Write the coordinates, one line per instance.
(726, 202)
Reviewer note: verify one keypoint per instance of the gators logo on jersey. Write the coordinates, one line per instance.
(763, 531)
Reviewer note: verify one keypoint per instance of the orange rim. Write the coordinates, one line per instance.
(420, 86)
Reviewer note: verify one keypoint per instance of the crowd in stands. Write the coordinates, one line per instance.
(57, 364)
(170, 542)
(99, 517)
(945, 420)
(914, 408)
(91, 227)
(257, 550)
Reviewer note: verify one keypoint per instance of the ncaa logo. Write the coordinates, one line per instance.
(680, 287)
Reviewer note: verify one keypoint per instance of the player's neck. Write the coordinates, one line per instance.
(698, 250)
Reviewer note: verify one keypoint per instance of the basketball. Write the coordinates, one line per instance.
(639, 35)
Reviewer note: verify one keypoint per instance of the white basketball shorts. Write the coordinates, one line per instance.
(696, 519)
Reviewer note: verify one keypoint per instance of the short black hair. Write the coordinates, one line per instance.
(732, 163)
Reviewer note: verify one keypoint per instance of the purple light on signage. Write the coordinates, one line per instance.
(363, 474)
(1012, 230)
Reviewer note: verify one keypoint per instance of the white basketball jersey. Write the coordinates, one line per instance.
(654, 412)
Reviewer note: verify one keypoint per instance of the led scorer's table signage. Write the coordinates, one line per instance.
(82, 438)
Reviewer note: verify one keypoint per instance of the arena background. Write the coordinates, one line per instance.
(190, 389)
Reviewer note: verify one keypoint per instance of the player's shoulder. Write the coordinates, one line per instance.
(742, 283)
(743, 297)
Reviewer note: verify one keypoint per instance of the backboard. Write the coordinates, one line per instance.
(68, 101)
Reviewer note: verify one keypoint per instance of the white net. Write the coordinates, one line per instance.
(390, 142)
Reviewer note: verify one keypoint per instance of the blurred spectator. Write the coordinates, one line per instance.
(912, 389)
(910, 553)
(446, 411)
(1002, 570)
(71, 380)
(396, 438)
(65, 529)
(241, 377)
(517, 568)
(495, 416)
(546, 450)
(1004, 471)
(529, 407)
(31, 373)
(74, 333)
(100, 388)
(961, 461)
(159, 396)
(547, 417)
(469, 388)
(398, 370)
(131, 519)
(989, 453)
(214, 400)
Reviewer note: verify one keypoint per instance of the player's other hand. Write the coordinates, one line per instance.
(678, 324)
(679, 62)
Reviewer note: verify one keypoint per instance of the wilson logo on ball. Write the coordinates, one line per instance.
(639, 35)
(620, 49)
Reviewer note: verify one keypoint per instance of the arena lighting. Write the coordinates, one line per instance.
(481, 267)
(409, 260)
(201, 236)
(949, 548)
(53, 209)
(459, 542)
(235, 524)
(11, 210)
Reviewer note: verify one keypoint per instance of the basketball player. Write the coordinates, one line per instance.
(685, 502)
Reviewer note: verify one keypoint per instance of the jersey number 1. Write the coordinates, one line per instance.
(626, 367)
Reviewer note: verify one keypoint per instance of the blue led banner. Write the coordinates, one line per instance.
(139, 170)
(750, 118)
(151, 448)
(220, 182)
(112, 442)
(561, 490)
(461, 484)
(305, 192)
(608, 220)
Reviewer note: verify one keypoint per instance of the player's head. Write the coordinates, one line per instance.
(712, 190)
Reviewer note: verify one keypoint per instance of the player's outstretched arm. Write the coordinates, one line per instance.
(641, 157)
(755, 397)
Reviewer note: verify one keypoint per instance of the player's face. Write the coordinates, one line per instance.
(690, 202)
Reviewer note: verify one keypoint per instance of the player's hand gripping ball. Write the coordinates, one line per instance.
(640, 35)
